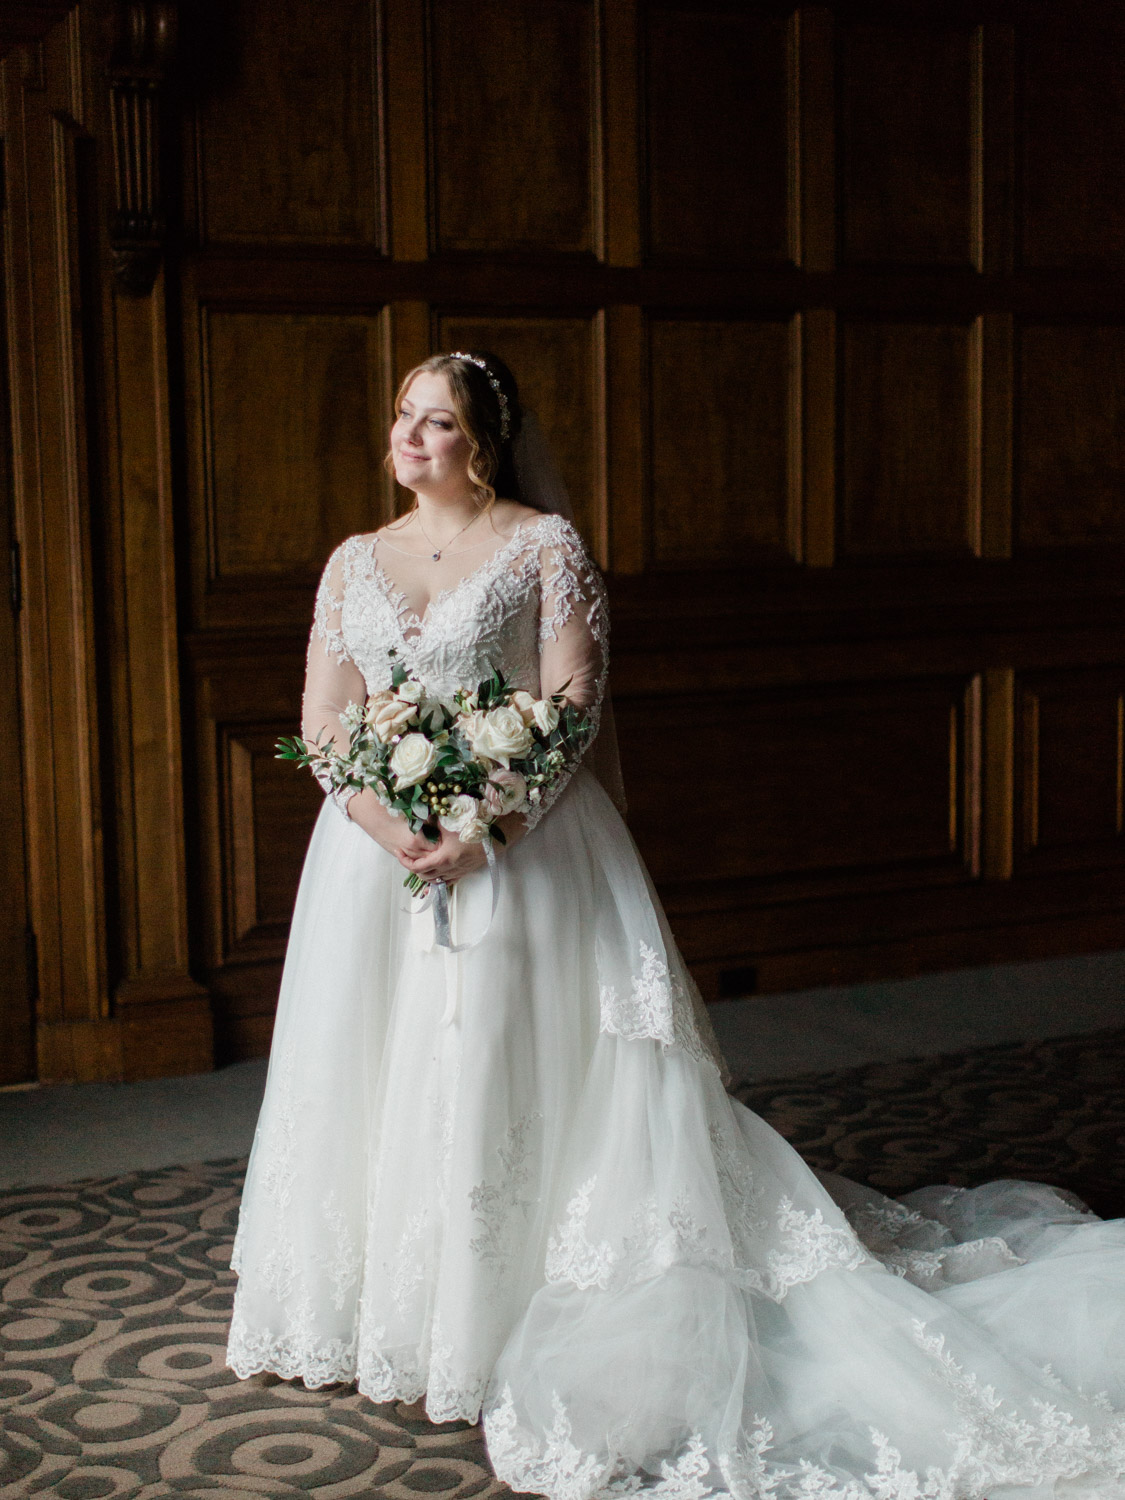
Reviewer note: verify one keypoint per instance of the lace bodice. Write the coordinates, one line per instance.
(535, 608)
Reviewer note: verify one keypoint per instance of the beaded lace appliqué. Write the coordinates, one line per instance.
(657, 1007)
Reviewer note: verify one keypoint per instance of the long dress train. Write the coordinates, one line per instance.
(510, 1178)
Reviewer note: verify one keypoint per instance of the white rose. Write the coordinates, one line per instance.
(376, 702)
(525, 704)
(546, 714)
(462, 809)
(499, 734)
(412, 759)
(411, 691)
(475, 831)
(391, 718)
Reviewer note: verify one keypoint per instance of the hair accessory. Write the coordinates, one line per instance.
(505, 419)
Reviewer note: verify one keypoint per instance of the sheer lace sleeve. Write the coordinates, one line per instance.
(332, 679)
(573, 632)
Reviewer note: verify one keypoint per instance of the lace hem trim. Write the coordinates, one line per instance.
(992, 1447)
(379, 1377)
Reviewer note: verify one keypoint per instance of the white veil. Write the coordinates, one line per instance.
(542, 486)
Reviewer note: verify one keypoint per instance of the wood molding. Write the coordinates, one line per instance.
(52, 524)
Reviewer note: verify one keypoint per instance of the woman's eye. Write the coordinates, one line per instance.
(445, 426)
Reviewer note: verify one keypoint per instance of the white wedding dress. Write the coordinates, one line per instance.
(511, 1177)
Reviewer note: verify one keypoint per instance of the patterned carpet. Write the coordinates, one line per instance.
(115, 1294)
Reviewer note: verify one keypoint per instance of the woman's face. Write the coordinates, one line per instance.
(430, 451)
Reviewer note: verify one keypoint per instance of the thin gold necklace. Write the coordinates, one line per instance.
(436, 556)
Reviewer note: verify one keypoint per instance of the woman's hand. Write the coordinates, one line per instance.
(389, 831)
(446, 860)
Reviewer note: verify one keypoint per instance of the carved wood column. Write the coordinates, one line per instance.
(45, 108)
(164, 1014)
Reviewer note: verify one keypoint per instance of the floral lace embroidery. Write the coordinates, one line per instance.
(809, 1247)
(657, 1008)
(998, 1446)
(295, 1355)
(742, 1196)
(993, 1447)
(278, 1170)
(326, 610)
(570, 1255)
(555, 1467)
(750, 1476)
(342, 1265)
(408, 1271)
(501, 1208)
(932, 1260)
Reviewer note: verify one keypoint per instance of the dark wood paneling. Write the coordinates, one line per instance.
(907, 480)
(253, 818)
(294, 436)
(1073, 138)
(721, 432)
(270, 808)
(905, 143)
(288, 129)
(1071, 738)
(841, 779)
(716, 99)
(514, 124)
(1070, 463)
(558, 363)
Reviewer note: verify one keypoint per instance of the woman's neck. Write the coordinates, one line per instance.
(444, 517)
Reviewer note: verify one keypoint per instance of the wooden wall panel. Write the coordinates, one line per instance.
(514, 124)
(269, 809)
(847, 778)
(721, 435)
(1070, 472)
(906, 485)
(906, 143)
(288, 136)
(559, 365)
(1073, 138)
(716, 109)
(1071, 747)
(296, 433)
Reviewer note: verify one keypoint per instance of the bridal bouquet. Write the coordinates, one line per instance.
(460, 763)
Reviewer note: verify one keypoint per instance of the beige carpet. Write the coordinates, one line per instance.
(115, 1295)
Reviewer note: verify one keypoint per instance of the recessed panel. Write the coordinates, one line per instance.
(1070, 459)
(906, 482)
(271, 809)
(906, 141)
(554, 362)
(716, 113)
(296, 435)
(512, 100)
(836, 779)
(1071, 737)
(1073, 138)
(720, 432)
(288, 123)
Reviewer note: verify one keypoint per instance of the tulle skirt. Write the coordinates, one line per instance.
(511, 1178)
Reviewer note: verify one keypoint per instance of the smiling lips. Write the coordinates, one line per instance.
(417, 457)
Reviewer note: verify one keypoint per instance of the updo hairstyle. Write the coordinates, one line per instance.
(477, 409)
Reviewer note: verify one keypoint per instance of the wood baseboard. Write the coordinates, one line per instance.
(159, 1039)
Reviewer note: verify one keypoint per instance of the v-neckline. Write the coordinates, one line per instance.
(409, 619)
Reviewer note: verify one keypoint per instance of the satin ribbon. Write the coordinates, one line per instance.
(438, 899)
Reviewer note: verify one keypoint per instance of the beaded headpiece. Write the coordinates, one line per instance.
(505, 418)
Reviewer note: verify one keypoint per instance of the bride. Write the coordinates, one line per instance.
(505, 1175)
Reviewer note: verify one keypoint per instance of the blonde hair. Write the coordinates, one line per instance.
(476, 409)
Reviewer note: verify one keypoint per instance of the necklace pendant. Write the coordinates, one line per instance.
(437, 557)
